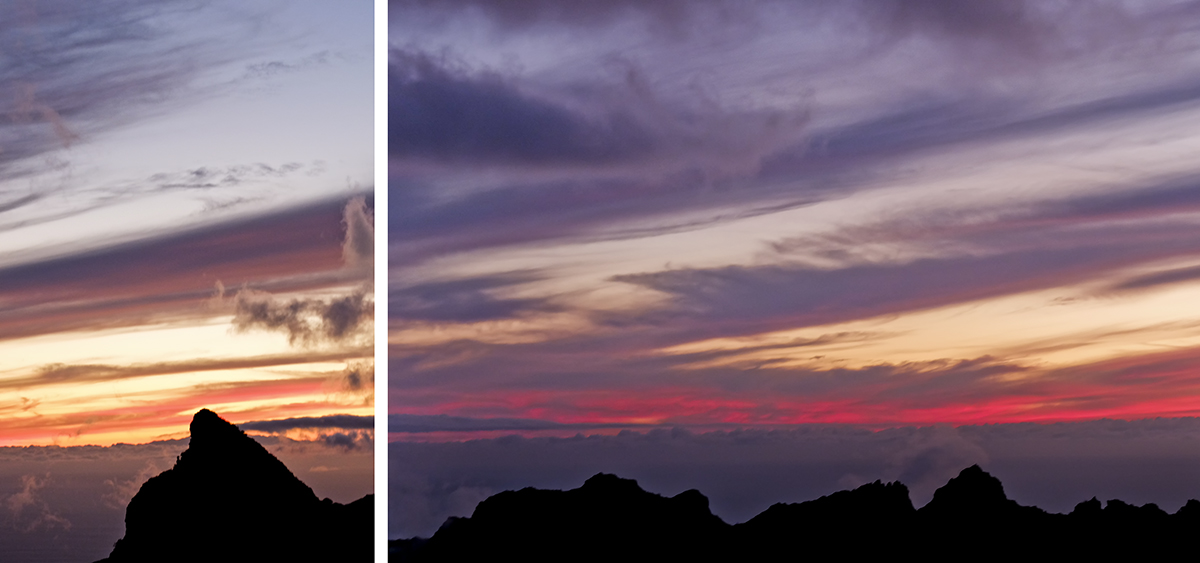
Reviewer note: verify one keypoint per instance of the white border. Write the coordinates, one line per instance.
(381, 287)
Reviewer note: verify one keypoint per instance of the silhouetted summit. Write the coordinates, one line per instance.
(228, 499)
(840, 520)
(969, 518)
(607, 519)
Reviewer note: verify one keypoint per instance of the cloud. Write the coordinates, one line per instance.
(206, 177)
(520, 14)
(1177, 275)
(358, 250)
(358, 377)
(420, 424)
(89, 486)
(910, 260)
(342, 421)
(307, 322)
(1053, 466)
(437, 113)
(164, 277)
(442, 112)
(60, 373)
(735, 159)
(125, 489)
(738, 299)
(30, 512)
(353, 440)
(55, 89)
(464, 300)
(620, 381)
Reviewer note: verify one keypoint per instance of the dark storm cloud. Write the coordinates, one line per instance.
(463, 300)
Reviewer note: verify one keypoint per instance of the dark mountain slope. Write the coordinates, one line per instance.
(969, 519)
(607, 519)
(228, 499)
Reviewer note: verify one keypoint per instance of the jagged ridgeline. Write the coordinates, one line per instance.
(228, 499)
(969, 519)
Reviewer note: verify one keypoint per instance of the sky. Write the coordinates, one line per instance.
(185, 216)
(761, 216)
(186, 222)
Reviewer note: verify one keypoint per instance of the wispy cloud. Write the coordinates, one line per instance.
(783, 213)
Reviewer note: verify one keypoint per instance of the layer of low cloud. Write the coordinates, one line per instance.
(329, 421)
(743, 472)
(43, 490)
(29, 512)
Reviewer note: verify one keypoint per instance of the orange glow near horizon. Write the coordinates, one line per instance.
(1165, 384)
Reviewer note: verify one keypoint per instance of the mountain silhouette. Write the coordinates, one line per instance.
(970, 518)
(228, 499)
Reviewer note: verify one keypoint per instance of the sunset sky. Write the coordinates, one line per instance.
(185, 216)
(715, 215)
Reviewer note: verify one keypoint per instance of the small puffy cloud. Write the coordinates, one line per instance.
(358, 377)
(123, 490)
(305, 321)
(29, 510)
(350, 440)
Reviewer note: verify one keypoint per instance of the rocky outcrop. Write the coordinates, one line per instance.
(969, 519)
(607, 519)
(228, 499)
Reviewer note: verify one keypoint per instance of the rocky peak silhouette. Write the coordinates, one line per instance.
(607, 519)
(973, 492)
(228, 499)
(970, 518)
